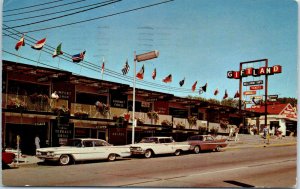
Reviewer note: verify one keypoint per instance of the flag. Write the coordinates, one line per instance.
(203, 89)
(168, 79)
(78, 57)
(125, 68)
(140, 74)
(237, 94)
(57, 51)
(194, 86)
(20, 43)
(154, 74)
(225, 95)
(102, 68)
(216, 92)
(39, 45)
(181, 82)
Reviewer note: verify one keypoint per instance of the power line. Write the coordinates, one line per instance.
(32, 6)
(57, 12)
(54, 18)
(109, 72)
(37, 10)
(88, 20)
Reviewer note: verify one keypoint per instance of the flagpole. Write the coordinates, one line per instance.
(133, 101)
(58, 62)
(39, 58)
(102, 68)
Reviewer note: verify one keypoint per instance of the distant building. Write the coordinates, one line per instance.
(283, 115)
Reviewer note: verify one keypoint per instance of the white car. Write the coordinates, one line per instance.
(83, 149)
(150, 146)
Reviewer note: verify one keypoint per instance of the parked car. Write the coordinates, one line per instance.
(7, 158)
(150, 146)
(81, 149)
(206, 142)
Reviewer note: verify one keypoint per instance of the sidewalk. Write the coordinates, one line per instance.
(245, 141)
(252, 141)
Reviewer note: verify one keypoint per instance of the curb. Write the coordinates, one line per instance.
(260, 146)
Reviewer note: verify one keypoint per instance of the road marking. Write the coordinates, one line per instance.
(219, 171)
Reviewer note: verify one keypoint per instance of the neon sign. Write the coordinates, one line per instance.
(254, 72)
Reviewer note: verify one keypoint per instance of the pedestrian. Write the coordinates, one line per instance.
(265, 130)
(236, 131)
(230, 133)
(37, 142)
(279, 133)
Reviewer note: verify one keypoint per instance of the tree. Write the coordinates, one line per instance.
(285, 100)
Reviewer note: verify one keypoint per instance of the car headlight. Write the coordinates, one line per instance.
(139, 149)
(38, 153)
(50, 153)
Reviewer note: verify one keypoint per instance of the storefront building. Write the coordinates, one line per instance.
(57, 105)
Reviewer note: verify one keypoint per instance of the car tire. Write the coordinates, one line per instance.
(197, 149)
(177, 152)
(148, 153)
(218, 149)
(64, 159)
(111, 157)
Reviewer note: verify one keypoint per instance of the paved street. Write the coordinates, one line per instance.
(258, 167)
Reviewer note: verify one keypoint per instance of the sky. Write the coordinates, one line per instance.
(199, 40)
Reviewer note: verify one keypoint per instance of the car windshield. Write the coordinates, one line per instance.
(74, 142)
(149, 140)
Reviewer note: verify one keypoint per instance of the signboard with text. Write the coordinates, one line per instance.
(258, 82)
(256, 87)
(249, 92)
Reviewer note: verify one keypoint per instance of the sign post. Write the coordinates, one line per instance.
(139, 58)
(255, 85)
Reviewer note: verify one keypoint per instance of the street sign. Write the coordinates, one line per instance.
(257, 87)
(258, 82)
(272, 96)
(248, 102)
(256, 97)
(249, 92)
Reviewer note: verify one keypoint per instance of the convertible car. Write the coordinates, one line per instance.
(83, 149)
(206, 142)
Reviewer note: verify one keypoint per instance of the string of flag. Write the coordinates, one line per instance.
(77, 58)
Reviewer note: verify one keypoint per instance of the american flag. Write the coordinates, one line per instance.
(78, 57)
(126, 68)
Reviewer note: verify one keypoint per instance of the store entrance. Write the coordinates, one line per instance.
(27, 135)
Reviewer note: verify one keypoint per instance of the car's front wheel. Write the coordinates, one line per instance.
(64, 159)
(148, 154)
(112, 157)
(218, 149)
(177, 152)
(196, 149)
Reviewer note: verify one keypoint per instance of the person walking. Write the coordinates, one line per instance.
(265, 130)
(37, 142)
(236, 131)
(230, 133)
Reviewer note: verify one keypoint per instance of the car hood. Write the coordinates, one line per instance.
(61, 148)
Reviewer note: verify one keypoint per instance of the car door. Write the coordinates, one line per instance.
(101, 149)
(87, 150)
(210, 143)
(169, 145)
